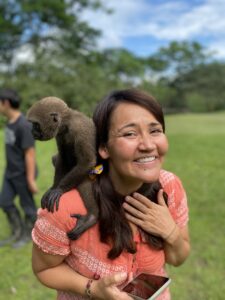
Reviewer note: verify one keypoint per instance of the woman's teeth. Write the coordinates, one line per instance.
(146, 159)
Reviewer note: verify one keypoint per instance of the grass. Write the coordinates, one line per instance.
(17, 280)
(196, 155)
(197, 144)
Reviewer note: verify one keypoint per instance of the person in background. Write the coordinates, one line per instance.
(133, 233)
(20, 172)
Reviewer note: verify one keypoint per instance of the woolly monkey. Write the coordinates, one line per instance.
(75, 137)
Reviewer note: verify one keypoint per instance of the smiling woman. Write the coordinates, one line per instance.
(136, 231)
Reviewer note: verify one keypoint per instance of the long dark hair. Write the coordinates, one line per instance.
(114, 227)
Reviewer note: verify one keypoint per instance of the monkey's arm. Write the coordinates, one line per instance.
(84, 154)
(51, 196)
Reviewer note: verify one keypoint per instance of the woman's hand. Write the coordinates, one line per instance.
(106, 288)
(151, 217)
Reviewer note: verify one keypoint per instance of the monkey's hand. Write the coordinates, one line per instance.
(83, 223)
(50, 199)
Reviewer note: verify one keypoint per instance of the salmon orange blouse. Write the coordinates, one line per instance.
(88, 255)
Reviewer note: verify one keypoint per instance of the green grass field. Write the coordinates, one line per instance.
(196, 155)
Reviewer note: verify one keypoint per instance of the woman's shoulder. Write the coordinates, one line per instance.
(72, 201)
(166, 177)
(177, 198)
(170, 181)
(69, 203)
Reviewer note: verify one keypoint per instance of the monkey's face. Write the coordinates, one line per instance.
(44, 126)
(46, 117)
(36, 131)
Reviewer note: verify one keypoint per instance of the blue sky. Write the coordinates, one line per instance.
(142, 26)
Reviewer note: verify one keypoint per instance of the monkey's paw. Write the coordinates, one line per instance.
(50, 199)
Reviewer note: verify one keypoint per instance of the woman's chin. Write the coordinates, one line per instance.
(148, 176)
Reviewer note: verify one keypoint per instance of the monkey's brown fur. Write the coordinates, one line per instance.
(75, 137)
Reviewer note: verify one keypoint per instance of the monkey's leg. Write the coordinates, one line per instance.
(83, 223)
(86, 221)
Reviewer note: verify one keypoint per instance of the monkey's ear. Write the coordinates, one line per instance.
(55, 116)
(103, 152)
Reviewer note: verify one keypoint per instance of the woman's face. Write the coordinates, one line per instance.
(135, 149)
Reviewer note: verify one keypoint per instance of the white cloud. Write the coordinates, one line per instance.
(164, 21)
(205, 19)
(118, 25)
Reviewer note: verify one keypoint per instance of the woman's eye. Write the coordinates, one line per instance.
(156, 131)
(129, 134)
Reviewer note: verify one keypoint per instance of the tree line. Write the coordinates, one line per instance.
(64, 61)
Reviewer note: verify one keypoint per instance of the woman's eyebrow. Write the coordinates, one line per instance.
(127, 126)
(151, 124)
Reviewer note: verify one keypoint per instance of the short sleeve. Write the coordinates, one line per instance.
(177, 198)
(50, 230)
(25, 135)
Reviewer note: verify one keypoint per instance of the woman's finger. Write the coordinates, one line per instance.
(144, 200)
(133, 219)
(139, 201)
(114, 279)
(160, 198)
(135, 211)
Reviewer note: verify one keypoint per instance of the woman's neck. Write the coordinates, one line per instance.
(125, 187)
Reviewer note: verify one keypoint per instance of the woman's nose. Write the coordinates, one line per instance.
(146, 143)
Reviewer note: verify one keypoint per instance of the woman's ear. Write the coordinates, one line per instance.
(103, 152)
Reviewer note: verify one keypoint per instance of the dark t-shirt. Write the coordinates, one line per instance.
(18, 138)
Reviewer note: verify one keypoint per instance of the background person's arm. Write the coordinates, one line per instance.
(30, 165)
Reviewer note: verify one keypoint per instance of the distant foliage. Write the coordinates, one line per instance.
(65, 62)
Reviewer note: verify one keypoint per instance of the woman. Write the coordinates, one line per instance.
(133, 233)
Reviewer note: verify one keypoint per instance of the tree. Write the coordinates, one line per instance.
(61, 45)
(174, 62)
(80, 82)
(180, 57)
(123, 64)
(204, 87)
(39, 24)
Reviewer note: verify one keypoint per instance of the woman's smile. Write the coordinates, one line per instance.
(146, 162)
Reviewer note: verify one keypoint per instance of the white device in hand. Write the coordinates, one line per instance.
(146, 286)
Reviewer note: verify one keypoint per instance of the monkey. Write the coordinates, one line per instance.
(74, 133)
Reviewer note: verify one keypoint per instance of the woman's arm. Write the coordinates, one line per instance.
(177, 246)
(54, 273)
(156, 219)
